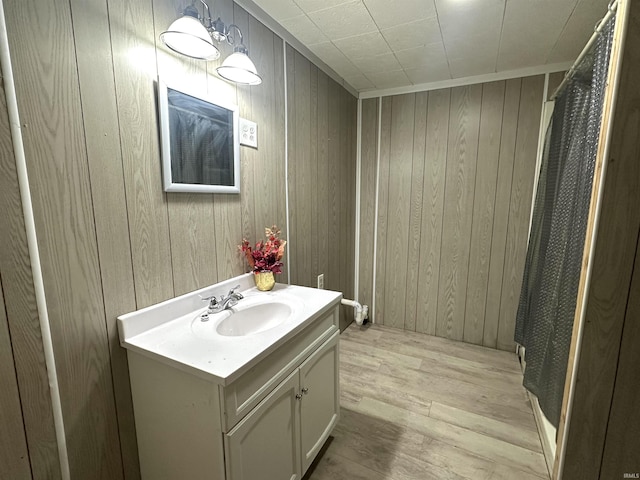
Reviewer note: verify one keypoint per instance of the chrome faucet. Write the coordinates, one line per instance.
(226, 301)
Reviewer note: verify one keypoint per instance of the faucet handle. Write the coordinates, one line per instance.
(233, 292)
(213, 301)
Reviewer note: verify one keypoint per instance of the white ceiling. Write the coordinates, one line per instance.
(378, 44)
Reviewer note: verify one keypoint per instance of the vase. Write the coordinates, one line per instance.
(264, 281)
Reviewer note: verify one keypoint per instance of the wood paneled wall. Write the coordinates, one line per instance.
(321, 167)
(22, 366)
(602, 439)
(455, 180)
(111, 241)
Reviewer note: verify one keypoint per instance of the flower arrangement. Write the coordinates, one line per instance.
(266, 256)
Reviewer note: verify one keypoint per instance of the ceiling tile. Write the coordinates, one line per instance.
(344, 21)
(577, 31)
(541, 16)
(517, 60)
(314, 5)
(422, 56)
(396, 78)
(370, 43)
(414, 34)
(433, 73)
(377, 42)
(282, 9)
(483, 45)
(535, 38)
(388, 14)
(376, 63)
(304, 30)
(329, 54)
(359, 82)
(462, 18)
(468, 67)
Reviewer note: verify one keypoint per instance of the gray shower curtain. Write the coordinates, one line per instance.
(552, 270)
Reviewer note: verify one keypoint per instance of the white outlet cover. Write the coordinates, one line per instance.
(248, 133)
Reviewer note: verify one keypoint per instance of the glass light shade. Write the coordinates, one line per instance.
(189, 37)
(239, 68)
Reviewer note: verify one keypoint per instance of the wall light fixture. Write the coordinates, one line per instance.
(194, 35)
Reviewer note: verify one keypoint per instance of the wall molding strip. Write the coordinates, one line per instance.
(375, 220)
(286, 153)
(32, 242)
(356, 268)
(544, 115)
(459, 82)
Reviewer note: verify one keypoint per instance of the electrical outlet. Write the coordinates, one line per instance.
(321, 281)
(248, 133)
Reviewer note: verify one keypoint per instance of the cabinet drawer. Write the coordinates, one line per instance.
(245, 393)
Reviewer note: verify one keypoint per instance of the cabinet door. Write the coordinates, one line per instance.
(266, 443)
(320, 406)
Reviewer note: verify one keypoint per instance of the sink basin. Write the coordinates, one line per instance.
(254, 319)
(254, 314)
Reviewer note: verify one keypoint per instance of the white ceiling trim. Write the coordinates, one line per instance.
(459, 82)
(269, 22)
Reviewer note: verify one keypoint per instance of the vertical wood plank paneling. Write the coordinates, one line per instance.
(312, 236)
(292, 164)
(483, 210)
(342, 171)
(452, 213)
(383, 206)
(14, 456)
(501, 212)
(437, 135)
(325, 244)
(399, 208)
(248, 156)
(520, 206)
(458, 209)
(267, 163)
(22, 317)
(604, 411)
(278, 132)
(302, 159)
(622, 443)
(351, 161)
(228, 226)
(111, 240)
(344, 188)
(415, 213)
(45, 68)
(332, 278)
(321, 146)
(368, 167)
(100, 118)
(133, 41)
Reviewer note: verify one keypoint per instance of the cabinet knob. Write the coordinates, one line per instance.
(298, 396)
(305, 390)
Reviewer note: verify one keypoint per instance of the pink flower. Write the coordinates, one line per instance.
(265, 256)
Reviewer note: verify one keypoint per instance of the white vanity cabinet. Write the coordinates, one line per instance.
(282, 435)
(268, 422)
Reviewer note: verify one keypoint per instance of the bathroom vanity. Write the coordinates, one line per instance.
(250, 393)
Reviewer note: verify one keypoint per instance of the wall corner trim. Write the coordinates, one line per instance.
(32, 242)
(473, 80)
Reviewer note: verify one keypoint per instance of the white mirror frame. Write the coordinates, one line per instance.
(165, 143)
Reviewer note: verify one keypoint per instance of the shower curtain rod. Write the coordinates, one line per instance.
(611, 10)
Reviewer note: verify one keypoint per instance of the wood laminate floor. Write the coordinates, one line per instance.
(421, 407)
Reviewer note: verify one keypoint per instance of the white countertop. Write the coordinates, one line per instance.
(164, 331)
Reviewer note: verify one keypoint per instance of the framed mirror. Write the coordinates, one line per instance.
(199, 142)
